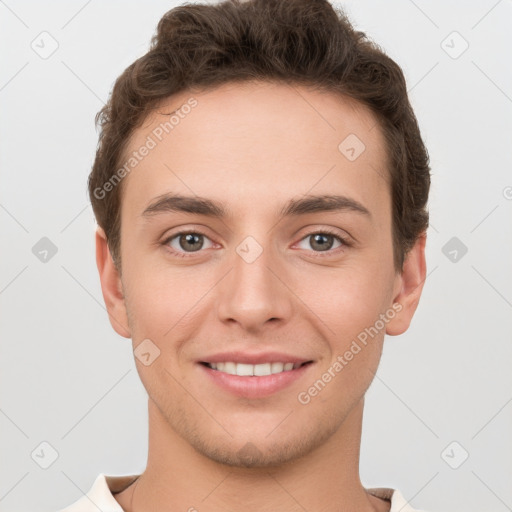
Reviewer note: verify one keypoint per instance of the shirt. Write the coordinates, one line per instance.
(100, 497)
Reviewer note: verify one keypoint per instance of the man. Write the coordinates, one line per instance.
(281, 144)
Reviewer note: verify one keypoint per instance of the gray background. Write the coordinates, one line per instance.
(69, 380)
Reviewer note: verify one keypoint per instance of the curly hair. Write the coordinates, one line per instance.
(302, 42)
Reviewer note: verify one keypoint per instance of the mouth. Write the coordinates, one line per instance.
(254, 381)
(254, 370)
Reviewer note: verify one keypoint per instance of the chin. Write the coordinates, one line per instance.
(253, 451)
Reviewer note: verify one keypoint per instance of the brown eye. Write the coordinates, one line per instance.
(322, 242)
(191, 241)
(187, 242)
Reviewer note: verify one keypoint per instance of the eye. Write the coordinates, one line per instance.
(323, 241)
(184, 243)
(187, 242)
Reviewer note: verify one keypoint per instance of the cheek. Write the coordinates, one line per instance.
(351, 311)
(160, 313)
(350, 308)
(347, 299)
(165, 304)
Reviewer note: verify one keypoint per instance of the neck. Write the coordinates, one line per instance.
(177, 477)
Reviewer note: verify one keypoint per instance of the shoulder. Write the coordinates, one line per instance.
(100, 495)
(397, 502)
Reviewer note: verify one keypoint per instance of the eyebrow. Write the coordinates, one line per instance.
(295, 207)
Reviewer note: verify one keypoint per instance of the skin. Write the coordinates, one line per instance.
(254, 147)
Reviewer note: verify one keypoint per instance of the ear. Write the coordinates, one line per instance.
(111, 286)
(408, 287)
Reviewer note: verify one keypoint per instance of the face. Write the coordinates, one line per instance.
(279, 250)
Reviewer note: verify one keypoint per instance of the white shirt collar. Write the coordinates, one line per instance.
(100, 497)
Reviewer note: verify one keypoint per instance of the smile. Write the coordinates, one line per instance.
(254, 381)
(253, 370)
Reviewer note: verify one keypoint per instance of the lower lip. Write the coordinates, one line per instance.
(255, 387)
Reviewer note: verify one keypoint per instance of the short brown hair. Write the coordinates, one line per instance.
(303, 42)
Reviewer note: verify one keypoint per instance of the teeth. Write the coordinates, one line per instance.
(244, 370)
(259, 370)
(262, 369)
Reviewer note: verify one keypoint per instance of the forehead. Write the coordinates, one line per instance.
(255, 145)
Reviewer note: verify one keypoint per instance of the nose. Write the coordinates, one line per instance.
(255, 293)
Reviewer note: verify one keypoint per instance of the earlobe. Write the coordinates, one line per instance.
(111, 286)
(409, 286)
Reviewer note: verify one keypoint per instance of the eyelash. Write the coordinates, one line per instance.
(319, 254)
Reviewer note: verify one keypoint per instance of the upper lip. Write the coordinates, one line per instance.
(258, 358)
